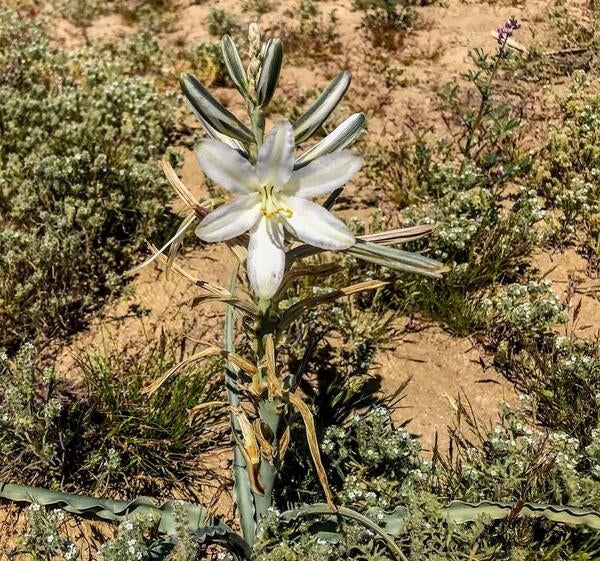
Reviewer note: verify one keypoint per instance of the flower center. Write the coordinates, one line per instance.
(271, 205)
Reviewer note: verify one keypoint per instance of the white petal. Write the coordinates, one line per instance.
(316, 226)
(323, 175)
(227, 167)
(276, 156)
(230, 220)
(266, 257)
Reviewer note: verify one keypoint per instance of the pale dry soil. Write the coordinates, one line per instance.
(443, 368)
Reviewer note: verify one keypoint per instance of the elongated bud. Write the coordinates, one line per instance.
(254, 52)
(254, 41)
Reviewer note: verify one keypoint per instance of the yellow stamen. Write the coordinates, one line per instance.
(271, 206)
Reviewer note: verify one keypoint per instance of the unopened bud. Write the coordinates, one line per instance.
(254, 41)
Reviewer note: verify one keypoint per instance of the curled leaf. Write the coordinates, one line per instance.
(182, 191)
(249, 438)
(264, 440)
(311, 436)
(251, 468)
(274, 384)
(284, 443)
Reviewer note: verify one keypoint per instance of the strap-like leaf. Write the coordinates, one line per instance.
(207, 108)
(341, 137)
(322, 107)
(234, 65)
(396, 259)
(399, 235)
(460, 512)
(269, 72)
(238, 361)
(108, 509)
(296, 310)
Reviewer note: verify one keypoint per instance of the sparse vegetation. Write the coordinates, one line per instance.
(505, 171)
(310, 33)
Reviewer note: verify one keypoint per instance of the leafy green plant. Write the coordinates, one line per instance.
(257, 6)
(568, 171)
(485, 229)
(387, 22)
(44, 539)
(79, 191)
(114, 438)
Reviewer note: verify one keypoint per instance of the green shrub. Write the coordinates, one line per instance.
(388, 22)
(80, 188)
(376, 468)
(568, 172)
(310, 34)
(220, 22)
(44, 538)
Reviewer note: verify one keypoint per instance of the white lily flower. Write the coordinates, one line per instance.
(273, 198)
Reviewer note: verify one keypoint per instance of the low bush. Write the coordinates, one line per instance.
(80, 189)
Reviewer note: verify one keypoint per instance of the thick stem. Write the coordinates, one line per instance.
(270, 414)
(242, 490)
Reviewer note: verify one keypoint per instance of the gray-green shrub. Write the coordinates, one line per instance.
(80, 188)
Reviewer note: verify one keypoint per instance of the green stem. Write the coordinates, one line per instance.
(270, 414)
(257, 117)
(242, 490)
(485, 96)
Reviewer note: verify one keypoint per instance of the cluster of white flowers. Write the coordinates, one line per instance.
(528, 307)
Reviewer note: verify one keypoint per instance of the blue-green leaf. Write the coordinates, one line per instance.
(208, 109)
(322, 107)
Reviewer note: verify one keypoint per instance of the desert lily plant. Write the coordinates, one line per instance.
(272, 225)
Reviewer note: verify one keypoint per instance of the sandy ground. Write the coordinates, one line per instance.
(441, 366)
